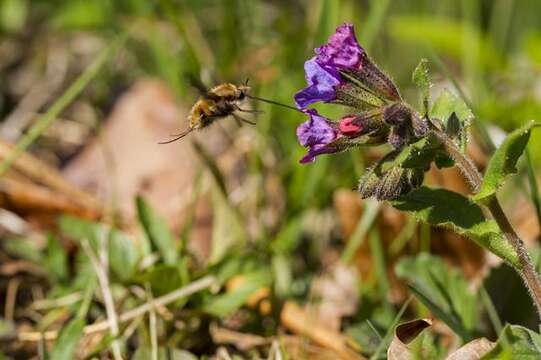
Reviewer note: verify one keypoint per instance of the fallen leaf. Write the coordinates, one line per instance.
(337, 291)
(404, 334)
(473, 350)
(300, 322)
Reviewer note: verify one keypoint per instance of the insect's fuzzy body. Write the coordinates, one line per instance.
(218, 102)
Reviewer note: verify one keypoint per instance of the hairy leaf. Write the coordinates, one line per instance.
(447, 104)
(516, 342)
(446, 208)
(421, 78)
(504, 161)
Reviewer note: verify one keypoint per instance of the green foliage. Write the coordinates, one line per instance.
(512, 303)
(124, 251)
(157, 231)
(228, 231)
(421, 78)
(445, 208)
(445, 35)
(516, 342)
(443, 291)
(13, 15)
(225, 304)
(448, 103)
(68, 340)
(55, 260)
(503, 162)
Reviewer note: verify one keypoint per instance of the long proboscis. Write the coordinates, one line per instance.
(176, 137)
(273, 102)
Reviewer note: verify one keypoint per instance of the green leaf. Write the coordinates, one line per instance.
(55, 260)
(157, 231)
(123, 254)
(516, 342)
(443, 290)
(504, 161)
(13, 15)
(162, 279)
(23, 248)
(282, 275)
(421, 78)
(440, 207)
(448, 103)
(510, 297)
(66, 344)
(228, 232)
(223, 305)
(124, 250)
(79, 229)
(78, 14)
(288, 238)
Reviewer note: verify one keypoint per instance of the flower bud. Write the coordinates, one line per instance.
(397, 114)
(391, 184)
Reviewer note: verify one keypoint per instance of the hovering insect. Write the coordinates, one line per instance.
(219, 102)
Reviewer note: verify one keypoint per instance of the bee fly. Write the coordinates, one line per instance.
(219, 102)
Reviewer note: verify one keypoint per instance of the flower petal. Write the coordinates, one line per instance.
(316, 133)
(342, 50)
(320, 87)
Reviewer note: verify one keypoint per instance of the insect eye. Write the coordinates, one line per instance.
(242, 95)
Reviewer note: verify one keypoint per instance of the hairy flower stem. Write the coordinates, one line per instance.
(527, 270)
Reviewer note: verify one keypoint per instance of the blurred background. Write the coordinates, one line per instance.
(88, 89)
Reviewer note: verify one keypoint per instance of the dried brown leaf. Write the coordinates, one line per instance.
(473, 350)
(404, 334)
(300, 322)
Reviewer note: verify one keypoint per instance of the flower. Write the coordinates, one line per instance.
(316, 134)
(323, 136)
(350, 126)
(321, 85)
(323, 70)
(342, 50)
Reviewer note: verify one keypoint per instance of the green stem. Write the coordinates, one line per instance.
(526, 268)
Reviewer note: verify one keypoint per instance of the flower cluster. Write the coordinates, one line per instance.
(342, 73)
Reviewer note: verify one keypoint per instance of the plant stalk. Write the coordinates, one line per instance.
(469, 170)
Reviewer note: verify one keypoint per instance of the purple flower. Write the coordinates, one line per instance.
(316, 134)
(320, 87)
(342, 50)
(322, 71)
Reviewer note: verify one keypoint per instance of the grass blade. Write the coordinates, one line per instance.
(370, 213)
(44, 121)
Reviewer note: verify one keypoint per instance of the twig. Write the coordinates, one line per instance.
(11, 298)
(58, 302)
(152, 325)
(187, 290)
(100, 267)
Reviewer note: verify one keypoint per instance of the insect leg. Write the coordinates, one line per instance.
(239, 118)
(247, 110)
(176, 137)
